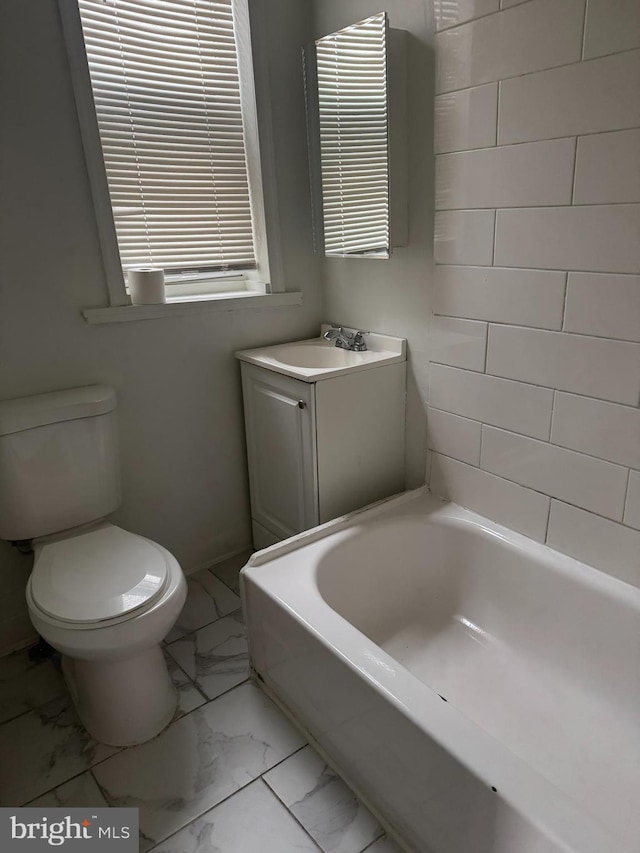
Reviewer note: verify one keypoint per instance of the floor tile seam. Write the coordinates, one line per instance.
(288, 810)
(122, 749)
(24, 713)
(173, 722)
(55, 787)
(220, 695)
(218, 578)
(206, 625)
(293, 815)
(224, 800)
(107, 798)
(224, 582)
(287, 807)
(66, 695)
(187, 676)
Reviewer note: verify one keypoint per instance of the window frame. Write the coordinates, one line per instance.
(217, 288)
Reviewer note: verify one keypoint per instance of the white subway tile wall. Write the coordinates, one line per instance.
(632, 507)
(514, 42)
(534, 391)
(512, 505)
(512, 405)
(448, 13)
(605, 305)
(534, 173)
(595, 540)
(597, 238)
(607, 170)
(464, 236)
(466, 119)
(521, 297)
(611, 27)
(454, 436)
(574, 99)
(460, 343)
(595, 367)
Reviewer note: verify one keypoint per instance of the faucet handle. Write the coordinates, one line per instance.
(359, 341)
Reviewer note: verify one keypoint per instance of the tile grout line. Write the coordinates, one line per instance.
(497, 136)
(531, 385)
(542, 71)
(622, 465)
(548, 441)
(546, 527)
(98, 785)
(289, 812)
(532, 207)
(216, 606)
(482, 17)
(531, 141)
(531, 489)
(91, 768)
(584, 31)
(533, 437)
(529, 269)
(339, 777)
(228, 797)
(626, 496)
(564, 304)
(55, 787)
(495, 234)
(575, 172)
(120, 750)
(486, 349)
(513, 325)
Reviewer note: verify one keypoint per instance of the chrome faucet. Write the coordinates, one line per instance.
(345, 339)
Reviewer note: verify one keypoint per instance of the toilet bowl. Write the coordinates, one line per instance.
(105, 598)
(102, 596)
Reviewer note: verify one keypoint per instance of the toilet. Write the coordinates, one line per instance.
(102, 596)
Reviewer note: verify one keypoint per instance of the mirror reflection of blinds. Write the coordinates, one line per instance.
(166, 88)
(352, 94)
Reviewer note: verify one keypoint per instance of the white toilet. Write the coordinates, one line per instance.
(104, 597)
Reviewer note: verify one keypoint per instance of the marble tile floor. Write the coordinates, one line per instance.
(229, 775)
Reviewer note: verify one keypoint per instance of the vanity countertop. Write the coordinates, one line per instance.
(316, 359)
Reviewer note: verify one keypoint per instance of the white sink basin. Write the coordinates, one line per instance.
(318, 359)
(316, 353)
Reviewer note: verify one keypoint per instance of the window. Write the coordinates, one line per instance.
(170, 134)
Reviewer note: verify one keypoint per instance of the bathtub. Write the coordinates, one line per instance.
(478, 690)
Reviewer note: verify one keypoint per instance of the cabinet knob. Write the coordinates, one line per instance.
(302, 404)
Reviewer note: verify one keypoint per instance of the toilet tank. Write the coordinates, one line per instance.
(58, 461)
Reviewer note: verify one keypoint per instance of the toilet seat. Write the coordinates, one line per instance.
(101, 576)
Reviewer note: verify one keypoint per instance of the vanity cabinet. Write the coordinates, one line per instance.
(317, 450)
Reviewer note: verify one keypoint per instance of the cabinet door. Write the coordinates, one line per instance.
(280, 427)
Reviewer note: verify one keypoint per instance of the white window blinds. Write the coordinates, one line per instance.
(165, 82)
(352, 97)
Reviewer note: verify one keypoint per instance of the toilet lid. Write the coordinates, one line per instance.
(97, 575)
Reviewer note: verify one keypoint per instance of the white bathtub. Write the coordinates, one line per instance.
(480, 691)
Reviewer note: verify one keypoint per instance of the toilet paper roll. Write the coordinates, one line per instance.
(146, 285)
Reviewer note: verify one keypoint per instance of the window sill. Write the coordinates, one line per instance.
(183, 306)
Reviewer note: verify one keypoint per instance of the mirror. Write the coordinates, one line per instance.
(347, 93)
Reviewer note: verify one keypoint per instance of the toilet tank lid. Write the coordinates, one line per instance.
(40, 409)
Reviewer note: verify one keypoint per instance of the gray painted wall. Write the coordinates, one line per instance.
(178, 386)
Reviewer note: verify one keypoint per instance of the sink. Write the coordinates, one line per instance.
(316, 353)
(317, 359)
